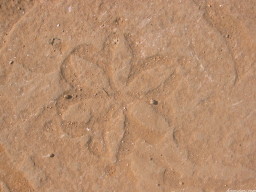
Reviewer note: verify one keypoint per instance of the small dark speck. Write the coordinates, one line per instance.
(52, 155)
(68, 96)
(153, 102)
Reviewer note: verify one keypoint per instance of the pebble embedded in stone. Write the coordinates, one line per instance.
(52, 155)
(153, 102)
(68, 96)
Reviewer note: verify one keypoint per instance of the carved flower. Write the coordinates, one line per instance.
(108, 89)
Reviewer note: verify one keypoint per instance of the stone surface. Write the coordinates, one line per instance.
(112, 59)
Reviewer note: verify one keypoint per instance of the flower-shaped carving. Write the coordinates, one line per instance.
(107, 88)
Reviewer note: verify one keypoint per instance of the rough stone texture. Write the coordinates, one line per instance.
(195, 58)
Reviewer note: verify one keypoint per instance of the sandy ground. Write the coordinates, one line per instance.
(127, 96)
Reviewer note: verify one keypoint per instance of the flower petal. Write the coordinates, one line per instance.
(76, 113)
(79, 71)
(121, 61)
(150, 79)
(153, 125)
(114, 134)
(76, 117)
